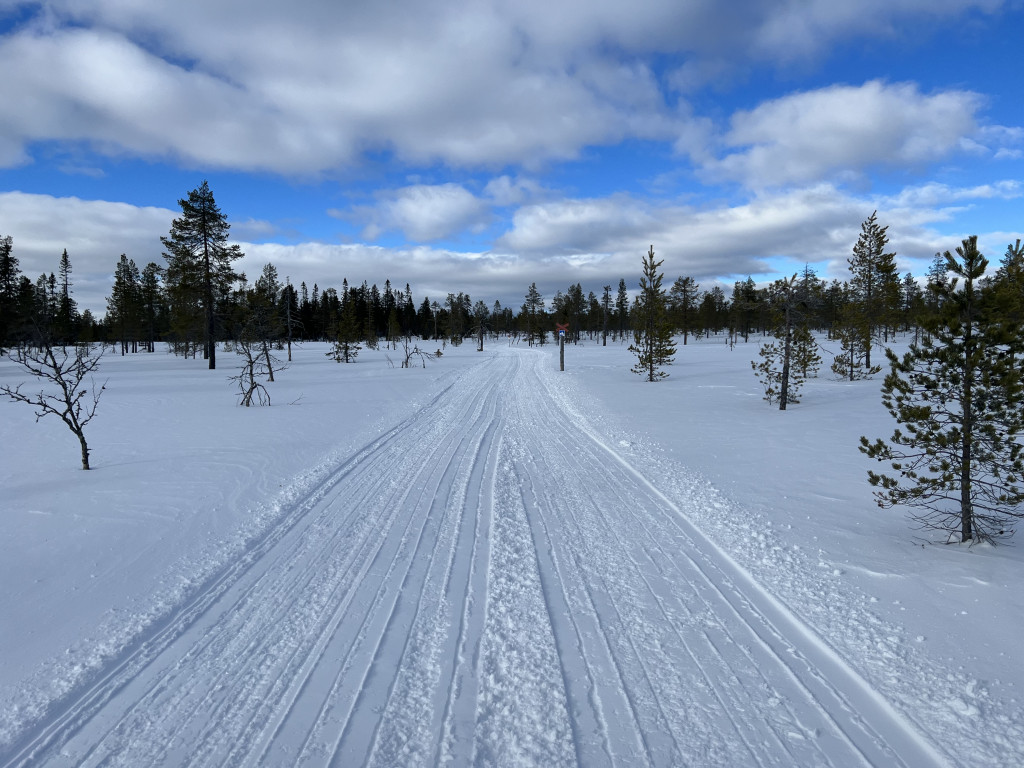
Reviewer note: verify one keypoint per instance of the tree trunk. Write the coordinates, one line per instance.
(967, 439)
(786, 354)
(85, 448)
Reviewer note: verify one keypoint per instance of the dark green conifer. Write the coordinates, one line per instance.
(652, 333)
(959, 396)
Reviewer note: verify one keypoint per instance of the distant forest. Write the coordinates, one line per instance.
(196, 299)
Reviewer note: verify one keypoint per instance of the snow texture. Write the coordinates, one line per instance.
(487, 562)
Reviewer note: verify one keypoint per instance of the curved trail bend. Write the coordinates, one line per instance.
(489, 583)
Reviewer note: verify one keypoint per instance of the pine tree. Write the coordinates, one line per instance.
(683, 304)
(652, 336)
(785, 362)
(960, 397)
(622, 309)
(770, 371)
(805, 352)
(346, 341)
(199, 271)
(850, 363)
(606, 310)
(532, 316)
(874, 284)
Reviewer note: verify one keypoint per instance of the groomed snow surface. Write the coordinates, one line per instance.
(487, 562)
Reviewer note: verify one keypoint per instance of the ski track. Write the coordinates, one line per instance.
(488, 583)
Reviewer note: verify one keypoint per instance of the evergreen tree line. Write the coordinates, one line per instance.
(168, 303)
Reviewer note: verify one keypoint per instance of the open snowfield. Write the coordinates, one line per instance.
(487, 562)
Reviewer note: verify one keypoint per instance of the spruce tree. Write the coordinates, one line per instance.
(346, 340)
(124, 305)
(652, 336)
(683, 303)
(780, 371)
(66, 309)
(10, 280)
(960, 397)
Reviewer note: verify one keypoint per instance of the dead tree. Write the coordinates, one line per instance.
(254, 365)
(410, 351)
(65, 393)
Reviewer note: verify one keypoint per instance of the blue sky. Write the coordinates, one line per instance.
(484, 146)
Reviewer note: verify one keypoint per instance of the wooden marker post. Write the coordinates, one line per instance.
(562, 329)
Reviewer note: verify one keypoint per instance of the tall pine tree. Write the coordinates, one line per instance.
(199, 261)
(652, 335)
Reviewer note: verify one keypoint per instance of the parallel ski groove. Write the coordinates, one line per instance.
(486, 582)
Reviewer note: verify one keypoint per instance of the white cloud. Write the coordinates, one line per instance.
(310, 86)
(426, 212)
(94, 232)
(935, 195)
(840, 131)
(505, 191)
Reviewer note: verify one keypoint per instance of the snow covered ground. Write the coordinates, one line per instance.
(487, 562)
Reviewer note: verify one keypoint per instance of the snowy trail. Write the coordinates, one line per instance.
(488, 583)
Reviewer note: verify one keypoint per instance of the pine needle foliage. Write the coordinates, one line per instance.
(652, 334)
(958, 397)
(769, 372)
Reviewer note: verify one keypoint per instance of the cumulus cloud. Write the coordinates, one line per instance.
(310, 86)
(95, 234)
(843, 130)
(425, 213)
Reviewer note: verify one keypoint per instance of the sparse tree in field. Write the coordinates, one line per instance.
(778, 372)
(410, 350)
(770, 371)
(960, 397)
(199, 269)
(254, 364)
(652, 335)
(64, 392)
